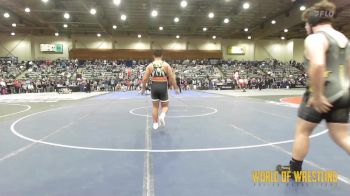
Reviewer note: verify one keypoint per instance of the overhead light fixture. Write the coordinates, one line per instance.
(139, 35)
(283, 38)
(161, 28)
(154, 13)
(183, 3)
(249, 37)
(226, 20)
(65, 26)
(45, 1)
(246, 29)
(176, 19)
(117, 2)
(273, 22)
(302, 8)
(57, 34)
(14, 24)
(66, 15)
(211, 15)
(246, 5)
(27, 9)
(13, 33)
(178, 37)
(205, 29)
(6, 15)
(285, 30)
(98, 35)
(93, 11)
(114, 27)
(123, 17)
(214, 37)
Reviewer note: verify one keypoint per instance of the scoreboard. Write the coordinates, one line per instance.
(238, 50)
(51, 48)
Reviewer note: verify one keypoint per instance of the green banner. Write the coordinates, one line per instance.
(59, 48)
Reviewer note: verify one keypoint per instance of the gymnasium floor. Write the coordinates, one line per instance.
(104, 145)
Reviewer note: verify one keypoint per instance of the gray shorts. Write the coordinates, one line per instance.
(338, 114)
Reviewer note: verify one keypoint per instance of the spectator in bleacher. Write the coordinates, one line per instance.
(3, 89)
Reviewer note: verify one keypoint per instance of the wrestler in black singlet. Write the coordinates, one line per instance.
(159, 86)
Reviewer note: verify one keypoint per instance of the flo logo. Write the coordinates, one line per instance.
(324, 14)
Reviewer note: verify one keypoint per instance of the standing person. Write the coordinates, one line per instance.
(178, 82)
(327, 52)
(16, 84)
(261, 83)
(88, 86)
(160, 73)
(242, 84)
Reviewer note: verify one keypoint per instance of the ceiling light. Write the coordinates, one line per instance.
(139, 35)
(114, 26)
(65, 25)
(183, 3)
(205, 29)
(154, 13)
(214, 37)
(93, 11)
(249, 37)
(6, 15)
(161, 28)
(302, 8)
(178, 37)
(27, 9)
(283, 38)
(246, 5)
(45, 1)
(273, 22)
(246, 29)
(13, 33)
(57, 34)
(211, 15)
(98, 35)
(226, 20)
(117, 2)
(285, 30)
(123, 17)
(66, 15)
(176, 19)
(14, 24)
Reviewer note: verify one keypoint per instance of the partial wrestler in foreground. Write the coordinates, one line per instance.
(160, 73)
(328, 96)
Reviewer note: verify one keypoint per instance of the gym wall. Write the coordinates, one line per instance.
(27, 47)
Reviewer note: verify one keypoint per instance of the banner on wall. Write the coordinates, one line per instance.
(237, 50)
(51, 48)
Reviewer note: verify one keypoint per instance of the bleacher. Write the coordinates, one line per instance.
(107, 73)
